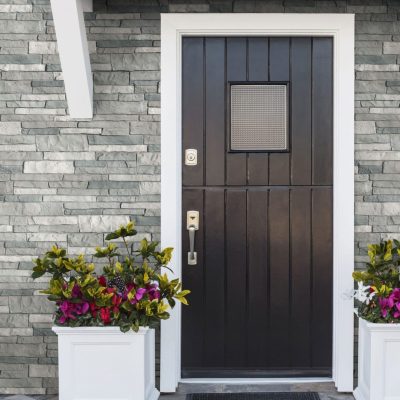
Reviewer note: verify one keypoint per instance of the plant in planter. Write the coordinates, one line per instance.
(378, 306)
(104, 320)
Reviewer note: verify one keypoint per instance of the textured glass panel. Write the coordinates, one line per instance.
(259, 117)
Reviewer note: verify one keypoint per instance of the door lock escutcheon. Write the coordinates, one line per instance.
(190, 157)
(192, 225)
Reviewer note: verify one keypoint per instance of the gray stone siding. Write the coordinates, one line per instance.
(69, 182)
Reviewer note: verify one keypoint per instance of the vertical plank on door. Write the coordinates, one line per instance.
(279, 279)
(322, 279)
(215, 111)
(236, 70)
(214, 261)
(322, 105)
(193, 318)
(257, 53)
(300, 239)
(279, 163)
(236, 317)
(257, 328)
(301, 111)
(193, 110)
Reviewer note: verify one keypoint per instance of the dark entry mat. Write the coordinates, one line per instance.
(254, 396)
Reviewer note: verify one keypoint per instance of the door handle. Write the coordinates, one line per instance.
(192, 225)
(192, 255)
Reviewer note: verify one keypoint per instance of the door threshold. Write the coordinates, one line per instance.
(253, 381)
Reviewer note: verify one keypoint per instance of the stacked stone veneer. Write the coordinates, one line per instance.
(70, 181)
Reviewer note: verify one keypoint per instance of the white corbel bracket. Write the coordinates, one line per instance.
(74, 54)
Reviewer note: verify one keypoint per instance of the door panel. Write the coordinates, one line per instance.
(215, 111)
(258, 55)
(301, 268)
(322, 105)
(278, 289)
(261, 301)
(301, 114)
(322, 294)
(214, 263)
(236, 70)
(279, 71)
(258, 280)
(236, 278)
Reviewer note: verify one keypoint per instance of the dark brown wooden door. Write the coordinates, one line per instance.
(261, 302)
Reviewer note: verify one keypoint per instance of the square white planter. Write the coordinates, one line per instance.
(378, 361)
(102, 363)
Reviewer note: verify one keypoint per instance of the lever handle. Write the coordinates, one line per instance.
(192, 232)
(192, 226)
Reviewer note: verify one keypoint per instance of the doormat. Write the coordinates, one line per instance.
(254, 396)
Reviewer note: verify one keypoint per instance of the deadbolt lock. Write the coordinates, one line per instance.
(190, 157)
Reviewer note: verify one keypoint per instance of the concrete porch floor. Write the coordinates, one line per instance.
(326, 391)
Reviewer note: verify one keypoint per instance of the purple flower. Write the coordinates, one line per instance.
(384, 305)
(71, 310)
(85, 307)
(140, 292)
(153, 292)
(76, 291)
(82, 308)
(64, 306)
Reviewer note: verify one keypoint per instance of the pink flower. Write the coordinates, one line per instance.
(384, 305)
(153, 291)
(71, 310)
(140, 292)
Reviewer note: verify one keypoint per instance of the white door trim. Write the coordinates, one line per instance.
(341, 28)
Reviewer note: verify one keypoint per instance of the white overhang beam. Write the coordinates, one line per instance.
(74, 55)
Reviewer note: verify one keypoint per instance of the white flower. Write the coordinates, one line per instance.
(363, 293)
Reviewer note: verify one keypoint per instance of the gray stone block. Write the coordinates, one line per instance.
(377, 27)
(374, 59)
(123, 43)
(62, 143)
(116, 139)
(137, 61)
(43, 371)
(101, 223)
(19, 59)
(115, 107)
(10, 128)
(111, 78)
(13, 320)
(52, 167)
(370, 86)
(12, 27)
(24, 350)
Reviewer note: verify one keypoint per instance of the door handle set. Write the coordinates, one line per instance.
(192, 225)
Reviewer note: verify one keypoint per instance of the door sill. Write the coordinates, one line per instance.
(252, 381)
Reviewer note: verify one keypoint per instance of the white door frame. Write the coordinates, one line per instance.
(341, 28)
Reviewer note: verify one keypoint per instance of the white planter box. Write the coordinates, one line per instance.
(378, 361)
(102, 363)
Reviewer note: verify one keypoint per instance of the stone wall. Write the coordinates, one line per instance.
(70, 181)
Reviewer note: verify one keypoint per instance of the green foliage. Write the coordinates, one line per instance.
(383, 267)
(131, 292)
